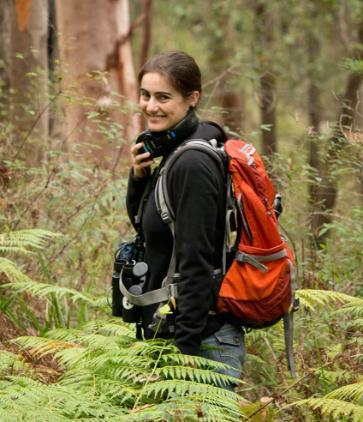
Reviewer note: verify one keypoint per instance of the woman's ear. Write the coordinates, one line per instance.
(194, 98)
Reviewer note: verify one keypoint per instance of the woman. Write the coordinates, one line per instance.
(170, 90)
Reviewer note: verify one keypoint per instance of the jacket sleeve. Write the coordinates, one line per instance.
(135, 190)
(196, 189)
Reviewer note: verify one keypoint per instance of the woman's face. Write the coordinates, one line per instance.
(162, 105)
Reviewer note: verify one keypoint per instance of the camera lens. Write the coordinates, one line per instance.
(136, 289)
(140, 269)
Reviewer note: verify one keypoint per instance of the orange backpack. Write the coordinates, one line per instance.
(258, 287)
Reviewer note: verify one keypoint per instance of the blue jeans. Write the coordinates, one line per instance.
(228, 346)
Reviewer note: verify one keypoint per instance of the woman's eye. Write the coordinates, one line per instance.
(144, 95)
(164, 98)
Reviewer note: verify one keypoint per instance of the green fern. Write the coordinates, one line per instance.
(40, 346)
(313, 299)
(354, 308)
(194, 361)
(334, 408)
(191, 408)
(23, 240)
(168, 388)
(199, 375)
(31, 400)
(335, 404)
(11, 271)
(11, 362)
(358, 322)
(352, 392)
(145, 380)
(45, 290)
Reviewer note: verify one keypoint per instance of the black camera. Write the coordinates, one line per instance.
(160, 143)
(130, 266)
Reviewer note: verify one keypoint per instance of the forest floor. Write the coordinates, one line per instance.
(43, 368)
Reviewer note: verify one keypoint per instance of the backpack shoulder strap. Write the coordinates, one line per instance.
(162, 197)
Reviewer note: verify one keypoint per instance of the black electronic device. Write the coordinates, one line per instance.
(161, 143)
(130, 266)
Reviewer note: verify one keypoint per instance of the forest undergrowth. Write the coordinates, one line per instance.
(62, 357)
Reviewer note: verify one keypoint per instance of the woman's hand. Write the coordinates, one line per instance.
(141, 162)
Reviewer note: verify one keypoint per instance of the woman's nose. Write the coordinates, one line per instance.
(152, 105)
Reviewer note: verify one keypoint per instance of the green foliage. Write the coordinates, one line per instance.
(108, 374)
(327, 353)
(21, 242)
(24, 241)
(354, 65)
(11, 363)
(315, 299)
(340, 403)
(43, 290)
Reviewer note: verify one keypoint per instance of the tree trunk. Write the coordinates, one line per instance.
(4, 58)
(329, 188)
(314, 108)
(268, 97)
(29, 77)
(95, 52)
(232, 103)
(220, 58)
(146, 37)
(128, 87)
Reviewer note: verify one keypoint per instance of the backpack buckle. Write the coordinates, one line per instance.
(165, 217)
(295, 304)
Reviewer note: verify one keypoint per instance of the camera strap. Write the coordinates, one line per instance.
(145, 196)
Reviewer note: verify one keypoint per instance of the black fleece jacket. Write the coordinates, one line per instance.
(197, 193)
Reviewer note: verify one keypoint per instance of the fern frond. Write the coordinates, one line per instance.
(43, 290)
(118, 391)
(120, 358)
(117, 329)
(113, 326)
(358, 322)
(28, 238)
(312, 299)
(190, 409)
(196, 375)
(70, 357)
(353, 308)
(224, 407)
(334, 408)
(65, 334)
(11, 271)
(103, 342)
(119, 368)
(30, 400)
(13, 250)
(166, 411)
(11, 361)
(169, 388)
(98, 357)
(350, 392)
(40, 346)
(155, 347)
(194, 361)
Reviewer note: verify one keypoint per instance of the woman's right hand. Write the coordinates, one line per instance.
(141, 162)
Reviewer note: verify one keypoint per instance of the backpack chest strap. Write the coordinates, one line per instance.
(256, 260)
(168, 290)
